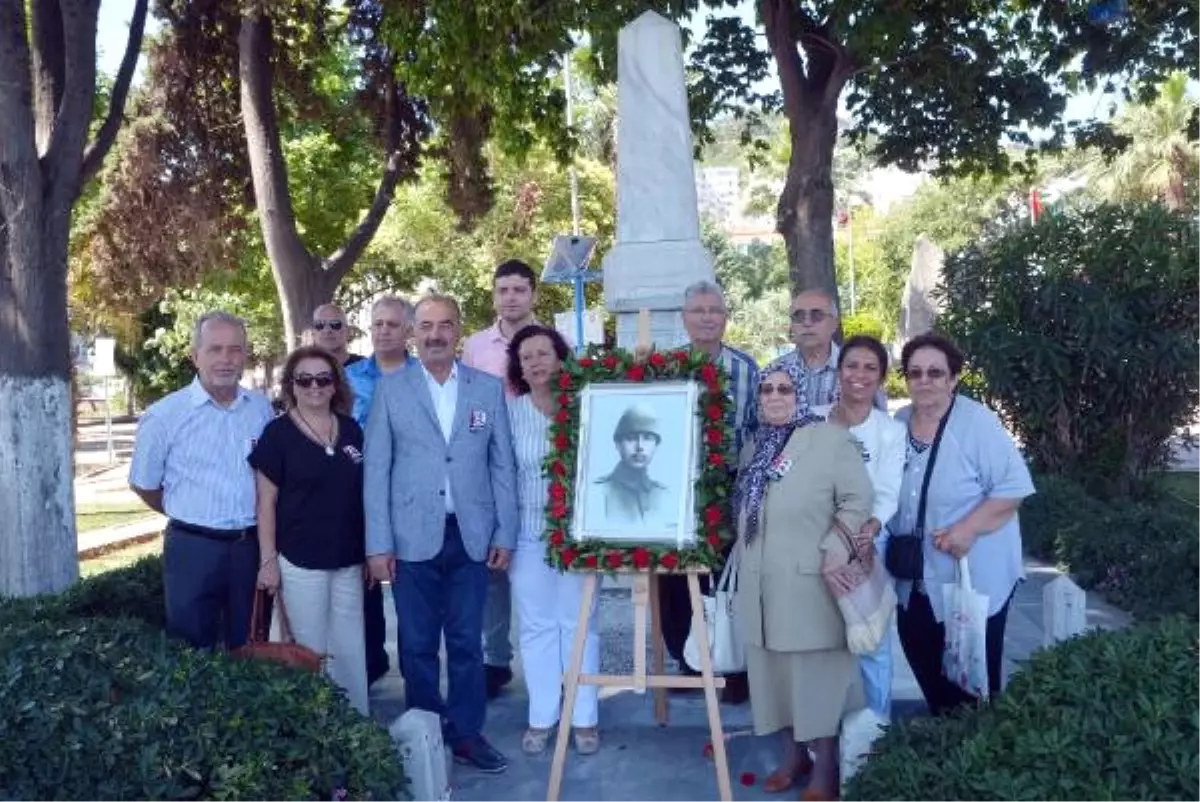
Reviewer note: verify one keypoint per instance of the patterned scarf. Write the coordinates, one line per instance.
(769, 442)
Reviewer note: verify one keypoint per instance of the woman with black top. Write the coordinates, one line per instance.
(309, 474)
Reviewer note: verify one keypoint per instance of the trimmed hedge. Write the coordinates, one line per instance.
(1144, 556)
(1104, 716)
(97, 706)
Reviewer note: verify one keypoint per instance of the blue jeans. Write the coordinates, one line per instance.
(208, 587)
(446, 594)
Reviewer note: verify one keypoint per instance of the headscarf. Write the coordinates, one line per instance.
(769, 441)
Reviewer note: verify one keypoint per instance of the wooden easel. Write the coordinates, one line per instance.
(645, 594)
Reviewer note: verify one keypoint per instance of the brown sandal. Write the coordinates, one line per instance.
(781, 779)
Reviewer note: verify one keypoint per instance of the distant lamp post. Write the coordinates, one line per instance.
(104, 365)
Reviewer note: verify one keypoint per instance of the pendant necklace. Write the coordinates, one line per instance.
(329, 450)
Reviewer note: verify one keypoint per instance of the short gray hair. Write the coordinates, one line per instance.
(704, 287)
(442, 300)
(402, 304)
(217, 316)
(828, 296)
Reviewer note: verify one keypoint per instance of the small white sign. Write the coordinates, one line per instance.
(103, 363)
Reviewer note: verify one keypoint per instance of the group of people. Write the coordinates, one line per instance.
(426, 472)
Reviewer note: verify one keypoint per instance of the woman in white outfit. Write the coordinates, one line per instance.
(547, 600)
(862, 365)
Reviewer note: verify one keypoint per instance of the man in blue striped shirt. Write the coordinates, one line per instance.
(705, 316)
(189, 463)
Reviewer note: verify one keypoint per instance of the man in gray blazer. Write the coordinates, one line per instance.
(441, 509)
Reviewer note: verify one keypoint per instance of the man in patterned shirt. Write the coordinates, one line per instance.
(705, 316)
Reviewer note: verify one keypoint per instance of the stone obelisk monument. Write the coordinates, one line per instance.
(657, 252)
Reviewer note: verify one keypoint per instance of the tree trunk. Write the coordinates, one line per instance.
(302, 280)
(47, 94)
(805, 212)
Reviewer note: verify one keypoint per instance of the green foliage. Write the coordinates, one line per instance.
(862, 323)
(100, 705)
(1084, 329)
(1103, 716)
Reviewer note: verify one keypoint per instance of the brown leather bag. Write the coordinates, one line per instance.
(285, 651)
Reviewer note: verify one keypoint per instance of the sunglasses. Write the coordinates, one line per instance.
(772, 389)
(304, 380)
(809, 315)
(933, 374)
(334, 325)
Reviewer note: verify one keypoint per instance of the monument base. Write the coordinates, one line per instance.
(653, 275)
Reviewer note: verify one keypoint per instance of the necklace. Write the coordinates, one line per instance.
(327, 442)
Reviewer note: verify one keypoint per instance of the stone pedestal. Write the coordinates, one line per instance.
(658, 251)
(1064, 610)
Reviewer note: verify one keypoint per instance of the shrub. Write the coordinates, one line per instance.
(96, 702)
(863, 323)
(1104, 716)
(1061, 510)
(1084, 328)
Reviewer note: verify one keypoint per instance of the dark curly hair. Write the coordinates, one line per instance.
(939, 342)
(515, 378)
(342, 399)
(869, 343)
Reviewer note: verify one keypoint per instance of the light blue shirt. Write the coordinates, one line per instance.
(195, 450)
(977, 460)
(362, 376)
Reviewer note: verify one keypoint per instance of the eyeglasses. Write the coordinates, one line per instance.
(809, 315)
(933, 374)
(304, 380)
(706, 310)
(334, 325)
(781, 389)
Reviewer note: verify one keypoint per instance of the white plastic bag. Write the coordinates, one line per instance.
(726, 647)
(964, 661)
(860, 729)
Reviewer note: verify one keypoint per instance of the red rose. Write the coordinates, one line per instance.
(708, 374)
(591, 561)
(609, 362)
(714, 412)
(642, 557)
(658, 360)
(614, 559)
(586, 362)
(557, 491)
(748, 778)
(669, 560)
(714, 541)
(562, 416)
(712, 515)
(564, 399)
(681, 356)
(635, 373)
(561, 441)
(558, 468)
(568, 556)
(564, 381)
(558, 510)
(714, 435)
(557, 537)
(715, 459)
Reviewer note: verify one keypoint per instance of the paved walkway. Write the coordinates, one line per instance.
(638, 759)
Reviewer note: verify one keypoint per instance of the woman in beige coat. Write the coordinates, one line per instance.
(795, 477)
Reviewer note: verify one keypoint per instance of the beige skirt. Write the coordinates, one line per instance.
(807, 691)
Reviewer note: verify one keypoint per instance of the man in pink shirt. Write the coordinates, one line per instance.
(514, 292)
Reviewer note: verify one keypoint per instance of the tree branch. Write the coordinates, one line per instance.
(49, 66)
(18, 144)
(64, 151)
(93, 157)
(777, 20)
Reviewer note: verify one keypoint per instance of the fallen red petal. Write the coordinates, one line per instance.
(748, 778)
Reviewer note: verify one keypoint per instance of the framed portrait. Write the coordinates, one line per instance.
(637, 463)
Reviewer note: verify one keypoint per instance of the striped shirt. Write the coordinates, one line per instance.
(531, 444)
(195, 450)
(743, 392)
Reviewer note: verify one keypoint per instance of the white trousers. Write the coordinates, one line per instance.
(547, 605)
(325, 610)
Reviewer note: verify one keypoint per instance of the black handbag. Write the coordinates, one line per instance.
(905, 557)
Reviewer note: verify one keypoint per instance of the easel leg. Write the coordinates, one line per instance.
(658, 655)
(571, 686)
(710, 689)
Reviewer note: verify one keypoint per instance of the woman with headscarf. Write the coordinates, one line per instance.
(796, 477)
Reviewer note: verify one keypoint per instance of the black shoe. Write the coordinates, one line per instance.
(737, 689)
(495, 678)
(479, 753)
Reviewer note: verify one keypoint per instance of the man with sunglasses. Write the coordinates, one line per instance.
(391, 326)
(331, 332)
(814, 321)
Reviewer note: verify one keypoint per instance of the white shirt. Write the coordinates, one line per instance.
(445, 404)
(882, 441)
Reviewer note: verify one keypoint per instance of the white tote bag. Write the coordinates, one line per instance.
(964, 661)
(728, 652)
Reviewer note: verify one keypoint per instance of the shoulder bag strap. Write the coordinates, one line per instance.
(285, 626)
(933, 452)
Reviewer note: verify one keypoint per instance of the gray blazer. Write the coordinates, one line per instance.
(407, 461)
